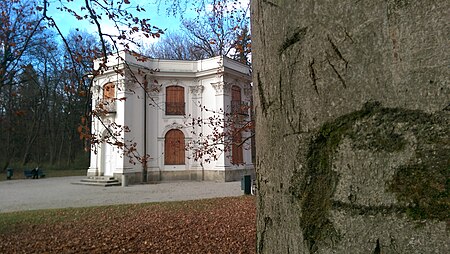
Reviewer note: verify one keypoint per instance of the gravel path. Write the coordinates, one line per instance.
(58, 192)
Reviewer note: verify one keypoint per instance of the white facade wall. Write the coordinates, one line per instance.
(206, 83)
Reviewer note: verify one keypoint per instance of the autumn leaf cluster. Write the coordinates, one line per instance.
(223, 225)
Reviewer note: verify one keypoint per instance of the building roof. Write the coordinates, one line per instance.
(174, 68)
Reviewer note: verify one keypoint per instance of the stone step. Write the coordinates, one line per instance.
(98, 184)
(99, 181)
(101, 178)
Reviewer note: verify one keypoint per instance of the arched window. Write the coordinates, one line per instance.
(109, 91)
(237, 154)
(175, 100)
(174, 148)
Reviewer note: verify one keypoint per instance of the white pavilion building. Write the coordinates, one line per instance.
(158, 123)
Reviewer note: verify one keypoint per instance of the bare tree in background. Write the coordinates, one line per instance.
(222, 29)
(175, 46)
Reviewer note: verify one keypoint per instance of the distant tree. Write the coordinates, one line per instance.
(220, 29)
(243, 46)
(31, 110)
(21, 30)
(44, 87)
(175, 45)
(19, 25)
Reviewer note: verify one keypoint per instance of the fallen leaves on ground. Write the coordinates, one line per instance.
(222, 225)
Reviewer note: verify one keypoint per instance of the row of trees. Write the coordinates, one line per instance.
(43, 87)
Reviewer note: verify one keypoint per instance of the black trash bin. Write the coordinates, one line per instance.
(9, 173)
(247, 182)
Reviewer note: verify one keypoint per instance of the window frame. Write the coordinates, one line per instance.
(109, 91)
(175, 104)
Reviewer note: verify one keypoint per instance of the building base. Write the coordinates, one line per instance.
(199, 175)
(228, 175)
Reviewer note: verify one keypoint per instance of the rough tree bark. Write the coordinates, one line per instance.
(352, 100)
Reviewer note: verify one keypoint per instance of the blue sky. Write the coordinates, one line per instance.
(158, 18)
(158, 15)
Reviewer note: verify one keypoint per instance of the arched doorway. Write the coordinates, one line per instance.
(174, 148)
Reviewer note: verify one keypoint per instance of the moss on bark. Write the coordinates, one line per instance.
(422, 186)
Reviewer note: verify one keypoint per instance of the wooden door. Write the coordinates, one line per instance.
(174, 148)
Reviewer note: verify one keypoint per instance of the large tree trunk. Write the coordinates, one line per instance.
(352, 100)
